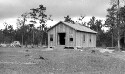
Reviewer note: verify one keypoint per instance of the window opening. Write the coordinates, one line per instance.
(90, 37)
(71, 39)
(51, 37)
(83, 37)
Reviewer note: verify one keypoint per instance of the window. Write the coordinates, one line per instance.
(51, 37)
(83, 37)
(90, 37)
(71, 39)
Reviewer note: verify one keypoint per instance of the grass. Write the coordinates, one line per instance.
(59, 61)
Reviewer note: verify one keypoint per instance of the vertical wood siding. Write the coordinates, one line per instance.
(61, 28)
(78, 37)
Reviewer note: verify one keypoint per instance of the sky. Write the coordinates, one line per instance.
(10, 10)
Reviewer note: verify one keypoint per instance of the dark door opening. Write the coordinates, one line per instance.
(62, 38)
(122, 43)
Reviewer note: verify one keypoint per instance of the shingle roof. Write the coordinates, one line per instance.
(76, 27)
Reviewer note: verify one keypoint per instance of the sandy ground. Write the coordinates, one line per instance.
(44, 61)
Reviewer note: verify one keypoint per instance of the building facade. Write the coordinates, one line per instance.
(71, 35)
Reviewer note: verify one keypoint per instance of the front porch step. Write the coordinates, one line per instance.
(60, 47)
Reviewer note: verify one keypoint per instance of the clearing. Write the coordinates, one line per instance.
(58, 61)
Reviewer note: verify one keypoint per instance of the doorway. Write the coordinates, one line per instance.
(61, 38)
(122, 43)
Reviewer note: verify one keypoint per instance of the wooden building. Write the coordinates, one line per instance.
(65, 34)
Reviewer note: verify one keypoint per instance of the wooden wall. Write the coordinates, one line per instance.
(70, 32)
(87, 43)
(61, 28)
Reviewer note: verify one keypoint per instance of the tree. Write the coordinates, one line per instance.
(117, 3)
(39, 14)
(28, 34)
(115, 20)
(118, 24)
(91, 22)
(21, 23)
(80, 21)
(97, 25)
(8, 33)
(1, 36)
(68, 19)
(111, 21)
(32, 30)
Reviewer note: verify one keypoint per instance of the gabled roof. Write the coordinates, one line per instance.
(76, 27)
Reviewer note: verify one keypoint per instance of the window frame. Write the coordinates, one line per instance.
(90, 40)
(51, 37)
(71, 39)
(84, 38)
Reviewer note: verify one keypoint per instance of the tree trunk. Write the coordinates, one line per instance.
(118, 40)
(42, 39)
(118, 23)
(112, 39)
(22, 39)
(33, 36)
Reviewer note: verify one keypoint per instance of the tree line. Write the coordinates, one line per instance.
(29, 34)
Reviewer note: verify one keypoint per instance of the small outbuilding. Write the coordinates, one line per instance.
(65, 34)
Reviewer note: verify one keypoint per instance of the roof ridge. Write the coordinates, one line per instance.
(79, 27)
(75, 26)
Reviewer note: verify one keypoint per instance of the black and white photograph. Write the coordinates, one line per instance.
(62, 36)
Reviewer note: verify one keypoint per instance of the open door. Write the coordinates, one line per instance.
(62, 38)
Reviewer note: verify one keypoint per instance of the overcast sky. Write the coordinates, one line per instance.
(11, 9)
